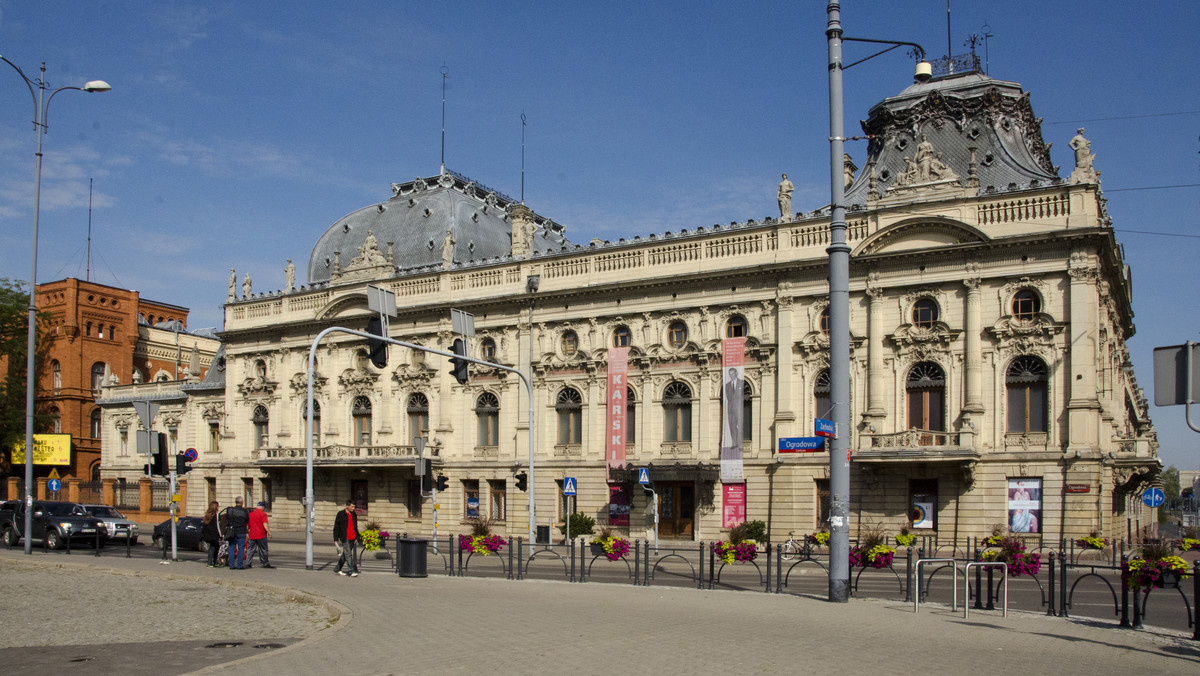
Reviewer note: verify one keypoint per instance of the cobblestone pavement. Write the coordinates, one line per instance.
(391, 625)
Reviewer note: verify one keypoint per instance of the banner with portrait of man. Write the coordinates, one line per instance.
(733, 363)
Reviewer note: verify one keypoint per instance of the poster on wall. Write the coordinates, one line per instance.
(923, 510)
(733, 505)
(1025, 505)
(618, 505)
(732, 387)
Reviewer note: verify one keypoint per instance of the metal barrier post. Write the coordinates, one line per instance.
(637, 562)
(571, 555)
(1124, 590)
(768, 552)
(954, 576)
(521, 572)
(978, 578)
(1137, 608)
(68, 539)
(712, 563)
(989, 565)
(128, 547)
(908, 569)
(1062, 587)
(646, 563)
(779, 569)
(98, 541)
(701, 576)
(510, 558)
(991, 596)
(1196, 600)
(1050, 610)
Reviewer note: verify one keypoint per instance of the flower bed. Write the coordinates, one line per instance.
(481, 544)
(747, 550)
(615, 548)
(1011, 550)
(1143, 574)
(1092, 542)
(373, 539)
(1188, 544)
(879, 556)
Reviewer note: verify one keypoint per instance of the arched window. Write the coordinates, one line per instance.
(316, 421)
(56, 373)
(736, 327)
(100, 330)
(677, 412)
(261, 421)
(55, 420)
(418, 417)
(94, 472)
(630, 417)
(95, 423)
(260, 369)
(569, 343)
(924, 313)
(1027, 402)
(487, 415)
(569, 406)
(361, 411)
(823, 321)
(622, 336)
(487, 350)
(677, 335)
(1026, 305)
(97, 376)
(926, 390)
(822, 400)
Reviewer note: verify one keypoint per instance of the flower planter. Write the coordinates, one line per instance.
(596, 550)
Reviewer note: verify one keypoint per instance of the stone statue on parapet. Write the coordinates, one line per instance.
(925, 166)
(784, 196)
(1084, 172)
(448, 250)
(232, 284)
(289, 277)
(247, 285)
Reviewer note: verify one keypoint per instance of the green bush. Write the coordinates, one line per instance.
(581, 524)
(749, 530)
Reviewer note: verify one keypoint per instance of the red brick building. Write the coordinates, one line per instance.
(96, 335)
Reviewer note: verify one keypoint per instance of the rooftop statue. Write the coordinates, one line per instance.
(289, 277)
(785, 199)
(448, 250)
(1084, 171)
(246, 286)
(232, 284)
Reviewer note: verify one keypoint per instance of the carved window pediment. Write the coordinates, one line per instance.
(257, 386)
(299, 383)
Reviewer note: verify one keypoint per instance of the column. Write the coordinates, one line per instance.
(876, 396)
(973, 357)
(785, 413)
(1083, 408)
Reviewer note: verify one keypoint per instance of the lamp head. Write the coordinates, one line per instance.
(97, 86)
(924, 71)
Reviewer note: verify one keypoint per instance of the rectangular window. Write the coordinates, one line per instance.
(173, 440)
(1025, 505)
(497, 498)
(822, 486)
(362, 429)
(471, 498)
(267, 495)
(248, 493)
(124, 441)
(922, 498)
(214, 436)
(412, 498)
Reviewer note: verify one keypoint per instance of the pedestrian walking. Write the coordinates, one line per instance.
(345, 538)
(258, 531)
(211, 533)
(239, 522)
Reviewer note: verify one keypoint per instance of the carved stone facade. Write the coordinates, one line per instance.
(988, 321)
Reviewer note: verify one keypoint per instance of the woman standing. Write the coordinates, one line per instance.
(211, 533)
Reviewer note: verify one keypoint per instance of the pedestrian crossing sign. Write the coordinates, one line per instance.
(643, 476)
(569, 485)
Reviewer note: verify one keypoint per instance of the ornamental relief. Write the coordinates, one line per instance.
(213, 411)
(299, 383)
(911, 297)
(122, 421)
(258, 387)
(357, 382)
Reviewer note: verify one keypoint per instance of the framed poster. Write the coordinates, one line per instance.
(1025, 505)
(733, 510)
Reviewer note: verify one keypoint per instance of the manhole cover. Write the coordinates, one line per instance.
(226, 644)
(81, 659)
(270, 646)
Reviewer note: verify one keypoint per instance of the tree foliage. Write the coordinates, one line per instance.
(14, 313)
(1170, 487)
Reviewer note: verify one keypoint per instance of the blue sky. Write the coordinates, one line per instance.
(237, 132)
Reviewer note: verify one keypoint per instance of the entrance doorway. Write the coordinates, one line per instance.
(676, 509)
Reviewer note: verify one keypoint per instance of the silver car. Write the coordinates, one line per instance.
(114, 522)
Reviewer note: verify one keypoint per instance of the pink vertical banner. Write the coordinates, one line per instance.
(733, 362)
(733, 505)
(618, 370)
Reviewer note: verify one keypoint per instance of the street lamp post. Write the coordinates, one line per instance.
(41, 105)
(839, 307)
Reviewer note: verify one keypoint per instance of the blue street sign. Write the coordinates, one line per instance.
(1153, 497)
(825, 428)
(643, 476)
(569, 485)
(801, 444)
(191, 455)
(53, 485)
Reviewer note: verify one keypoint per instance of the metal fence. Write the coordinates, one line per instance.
(91, 492)
(127, 496)
(160, 496)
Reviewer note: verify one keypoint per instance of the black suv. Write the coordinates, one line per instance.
(53, 523)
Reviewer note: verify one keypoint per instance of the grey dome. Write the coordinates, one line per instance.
(411, 227)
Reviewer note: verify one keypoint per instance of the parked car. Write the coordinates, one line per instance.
(53, 523)
(188, 533)
(117, 526)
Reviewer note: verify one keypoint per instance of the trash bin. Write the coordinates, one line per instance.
(543, 535)
(412, 557)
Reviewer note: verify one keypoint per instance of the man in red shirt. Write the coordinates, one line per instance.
(345, 537)
(258, 533)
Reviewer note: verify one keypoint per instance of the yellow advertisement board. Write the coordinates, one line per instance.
(48, 449)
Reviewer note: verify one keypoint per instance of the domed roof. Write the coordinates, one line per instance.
(409, 231)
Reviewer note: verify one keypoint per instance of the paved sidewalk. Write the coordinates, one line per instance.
(392, 625)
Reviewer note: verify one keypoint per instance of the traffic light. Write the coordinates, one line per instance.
(458, 367)
(523, 481)
(426, 483)
(442, 482)
(181, 465)
(162, 465)
(376, 349)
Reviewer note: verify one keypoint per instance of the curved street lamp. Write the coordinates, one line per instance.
(41, 105)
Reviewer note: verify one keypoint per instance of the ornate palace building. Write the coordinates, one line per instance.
(991, 383)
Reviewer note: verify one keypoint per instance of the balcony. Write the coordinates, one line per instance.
(337, 455)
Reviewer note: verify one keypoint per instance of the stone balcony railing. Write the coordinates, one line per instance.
(337, 454)
(911, 439)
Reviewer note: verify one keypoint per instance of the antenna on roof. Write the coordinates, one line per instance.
(986, 32)
(522, 157)
(949, 42)
(88, 277)
(445, 76)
